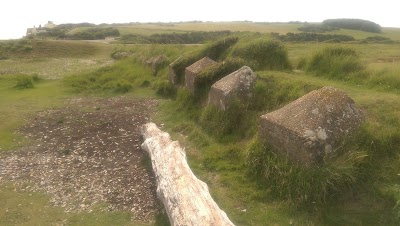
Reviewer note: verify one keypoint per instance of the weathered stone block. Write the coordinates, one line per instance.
(312, 126)
(237, 85)
(193, 70)
(155, 62)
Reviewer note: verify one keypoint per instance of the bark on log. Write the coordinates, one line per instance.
(186, 199)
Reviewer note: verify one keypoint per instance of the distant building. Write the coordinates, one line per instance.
(36, 30)
(50, 25)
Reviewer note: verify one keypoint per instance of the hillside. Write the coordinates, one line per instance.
(89, 93)
(91, 31)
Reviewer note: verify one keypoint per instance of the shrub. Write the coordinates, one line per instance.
(336, 62)
(262, 54)
(24, 82)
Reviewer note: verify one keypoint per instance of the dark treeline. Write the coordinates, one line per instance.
(354, 24)
(317, 28)
(312, 37)
(94, 33)
(197, 37)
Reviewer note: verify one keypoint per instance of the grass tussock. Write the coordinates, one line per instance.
(336, 62)
(263, 54)
(299, 185)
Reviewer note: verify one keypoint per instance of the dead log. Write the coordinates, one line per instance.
(186, 199)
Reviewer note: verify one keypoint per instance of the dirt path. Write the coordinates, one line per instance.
(86, 153)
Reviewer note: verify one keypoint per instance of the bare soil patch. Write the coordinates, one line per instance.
(86, 153)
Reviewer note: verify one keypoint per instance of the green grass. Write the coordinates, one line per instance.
(18, 104)
(149, 29)
(217, 148)
(281, 28)
(19, 207)
(221, 163)
(55, 59)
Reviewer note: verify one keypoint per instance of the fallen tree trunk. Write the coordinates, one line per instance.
(185, 198)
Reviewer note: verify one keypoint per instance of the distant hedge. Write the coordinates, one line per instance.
(354, 24)
(312, 37)
(317, 28)
(195, 37)
(95, 33)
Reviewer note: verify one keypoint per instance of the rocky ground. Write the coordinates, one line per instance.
(86, 153)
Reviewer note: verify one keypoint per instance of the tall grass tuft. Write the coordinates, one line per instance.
(234, 121)
(305, 185)
(24, 82)
(337, 62)
(263, 54)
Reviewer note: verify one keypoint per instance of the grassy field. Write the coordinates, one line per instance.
(55, 59)
(281, 28)
(220, 161)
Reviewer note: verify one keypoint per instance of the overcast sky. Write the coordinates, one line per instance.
(17, 15)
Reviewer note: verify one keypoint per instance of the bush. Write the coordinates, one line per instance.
(305, 185)
(336, 62)
(262, 54)
(24, 82)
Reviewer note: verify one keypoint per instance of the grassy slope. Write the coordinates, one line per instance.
(210, 26)
(243, 201)
(221, 166)
(55, 59)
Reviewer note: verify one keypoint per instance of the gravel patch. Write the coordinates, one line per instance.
(86, 153)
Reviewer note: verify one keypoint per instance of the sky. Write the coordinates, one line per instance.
(17, 15)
